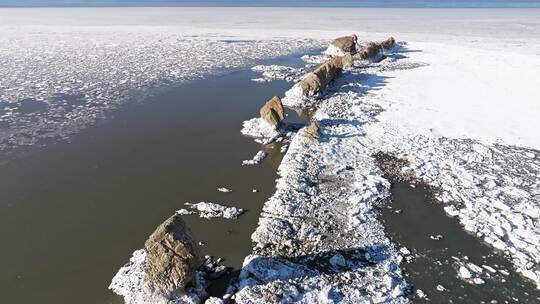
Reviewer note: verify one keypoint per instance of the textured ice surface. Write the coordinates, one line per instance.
(323, 208)
(57, 80)
(273, 72)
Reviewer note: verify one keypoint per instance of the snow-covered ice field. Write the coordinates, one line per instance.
(459, 101)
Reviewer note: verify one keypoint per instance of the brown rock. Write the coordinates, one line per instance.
(318, 80)
(346, 44)
(310, 85)
(172, 257)
(313, 131)
(272, 112)
(347, 61)
(372, 49)
(388, 43)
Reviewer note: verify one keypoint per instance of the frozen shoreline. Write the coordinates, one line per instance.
(454, 104)
(493, 188)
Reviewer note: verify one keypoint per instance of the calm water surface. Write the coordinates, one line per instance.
(418, 219)
(72, 213)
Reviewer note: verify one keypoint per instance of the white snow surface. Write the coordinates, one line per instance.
(466, 140)
(318, 239)
(450, 111)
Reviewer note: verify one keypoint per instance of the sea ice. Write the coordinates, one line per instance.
(257, 159)
(211, 210)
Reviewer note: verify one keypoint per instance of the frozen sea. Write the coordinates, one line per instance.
(464, 119)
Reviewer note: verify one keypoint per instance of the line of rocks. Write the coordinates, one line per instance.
(171, 268)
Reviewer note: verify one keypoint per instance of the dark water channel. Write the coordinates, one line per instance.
(72, 213)
(413, 219)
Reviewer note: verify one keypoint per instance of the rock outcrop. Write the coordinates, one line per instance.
(346, 44)
(172, 257)
(373, 49)
(388, 43)
(272, 112)
(317, 80)
(347, 61)
(313, 131)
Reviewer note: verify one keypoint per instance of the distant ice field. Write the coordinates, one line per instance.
(63, 68)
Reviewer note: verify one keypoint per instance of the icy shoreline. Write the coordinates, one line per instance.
(492, 188)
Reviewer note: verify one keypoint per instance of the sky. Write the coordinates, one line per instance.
(307, 3)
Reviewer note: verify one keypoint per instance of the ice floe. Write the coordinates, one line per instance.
(257, 159)
(211, 210)
(55, 82)
(273, 72)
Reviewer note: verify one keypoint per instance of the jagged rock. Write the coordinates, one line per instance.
(172, 257)
(371, 50)
(347, 61)
(272, 112)
(313, 131)
(346, 44)
(388, 43)
(317, 80)
(310, 85)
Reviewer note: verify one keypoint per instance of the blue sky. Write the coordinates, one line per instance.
(323, 3)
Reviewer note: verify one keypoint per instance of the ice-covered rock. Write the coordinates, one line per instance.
(342, 46)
